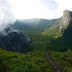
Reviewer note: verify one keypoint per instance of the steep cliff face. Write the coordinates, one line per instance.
(65, 20)
(14, 40)
(66, 17)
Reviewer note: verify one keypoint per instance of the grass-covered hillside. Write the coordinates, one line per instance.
(63, 58)
(33, 23)
(39, 41)
(30, 62)
(42, 42)
(33, 62)
(36, 61)
(63, 43)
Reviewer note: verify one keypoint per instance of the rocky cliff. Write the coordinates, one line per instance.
(67, 17)
(14, 40)
(62, 26)
(65, 21)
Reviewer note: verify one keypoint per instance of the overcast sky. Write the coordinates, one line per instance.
(25, 9)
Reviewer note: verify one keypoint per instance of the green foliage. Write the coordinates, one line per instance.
(54, 30)
(58, 35)
(39, 41)
(31, 62)
(65, 26)
(63, 58)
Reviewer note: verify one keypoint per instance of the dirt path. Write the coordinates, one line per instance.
(55, 67)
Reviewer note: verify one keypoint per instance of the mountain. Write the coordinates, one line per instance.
(50, 27)
(57, 31)
(14, 40)
(33, 23)
(54, 27)
(62, 26)
(63, 40)
(68, 30)
(54, 36)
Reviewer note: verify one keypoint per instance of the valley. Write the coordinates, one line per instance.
(54, 36)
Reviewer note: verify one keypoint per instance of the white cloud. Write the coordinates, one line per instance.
(49, 4)
(6, 16)
(62, 5)
(23, 9)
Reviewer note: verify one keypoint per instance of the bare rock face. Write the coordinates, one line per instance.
(65, 20)
(14, 40)
(66, 17)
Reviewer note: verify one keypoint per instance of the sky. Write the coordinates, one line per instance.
(27, 9)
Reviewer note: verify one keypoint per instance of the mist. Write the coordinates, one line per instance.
(6, 16)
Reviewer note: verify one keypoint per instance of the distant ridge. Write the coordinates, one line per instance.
(54, 27)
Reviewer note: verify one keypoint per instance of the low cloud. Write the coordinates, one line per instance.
(6, 16)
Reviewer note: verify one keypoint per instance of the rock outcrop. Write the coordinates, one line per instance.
(68, 22)
(14, 40)
(66, 17)
(65, 21)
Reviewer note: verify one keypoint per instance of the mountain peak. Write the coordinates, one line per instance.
(66, 12)
(67, 17)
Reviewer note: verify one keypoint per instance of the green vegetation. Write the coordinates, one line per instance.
(31, 62)
(54, 30)
(39, 41)
(63, 58)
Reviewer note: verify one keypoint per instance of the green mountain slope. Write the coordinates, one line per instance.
(44, 33)
(33, 24)
(61, 26)
(55, 27)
